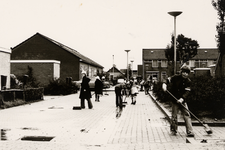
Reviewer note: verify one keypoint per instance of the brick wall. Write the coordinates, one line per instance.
(43, 71)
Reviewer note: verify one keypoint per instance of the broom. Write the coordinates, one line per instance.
(206, 127)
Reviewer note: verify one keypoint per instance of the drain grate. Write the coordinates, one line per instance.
(37, 138)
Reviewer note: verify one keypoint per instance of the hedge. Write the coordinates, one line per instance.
(207, 95)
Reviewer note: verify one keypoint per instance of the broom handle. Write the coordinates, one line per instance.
(185, 108)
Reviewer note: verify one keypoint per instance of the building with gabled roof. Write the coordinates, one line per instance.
(115, 73)
(72, 63)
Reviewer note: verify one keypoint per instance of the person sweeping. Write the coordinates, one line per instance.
(179, 86)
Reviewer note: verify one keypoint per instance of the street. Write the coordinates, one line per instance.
(55, 125)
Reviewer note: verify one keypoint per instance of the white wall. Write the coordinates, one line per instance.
(56, 70)
(5, 65)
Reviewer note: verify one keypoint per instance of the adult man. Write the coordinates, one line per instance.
(179, 86)
(85, 92)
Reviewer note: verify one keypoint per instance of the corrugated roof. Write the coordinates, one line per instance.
(76, 53)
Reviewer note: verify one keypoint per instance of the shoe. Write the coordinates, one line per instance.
(190, 134)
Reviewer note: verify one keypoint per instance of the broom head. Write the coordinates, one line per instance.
(207, 129)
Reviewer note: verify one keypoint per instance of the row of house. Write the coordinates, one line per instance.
(155, 64)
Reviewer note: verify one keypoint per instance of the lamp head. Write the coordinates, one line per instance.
(175, 13)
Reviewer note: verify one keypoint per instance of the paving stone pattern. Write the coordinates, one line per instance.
(141, 127)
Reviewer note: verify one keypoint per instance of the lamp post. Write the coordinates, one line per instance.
(175, 14)
(132, 67)
(127, 65)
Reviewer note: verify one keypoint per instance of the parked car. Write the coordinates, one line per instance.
(92, 84)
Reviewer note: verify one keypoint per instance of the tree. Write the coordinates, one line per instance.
(186, 49)
(219, 5)
(31, 80)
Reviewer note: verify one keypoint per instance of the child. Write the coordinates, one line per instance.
(134, 92)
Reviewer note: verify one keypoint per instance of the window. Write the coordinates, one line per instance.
(154, 63)
(146, 67)
(203, 63)
(164, 63)
(196, 63)
(153, 74)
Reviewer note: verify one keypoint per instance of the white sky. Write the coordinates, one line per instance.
(100, 29)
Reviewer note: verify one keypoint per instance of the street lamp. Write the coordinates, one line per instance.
(175, 14)
(132, 67)
(127, 65)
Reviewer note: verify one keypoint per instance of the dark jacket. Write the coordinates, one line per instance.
(179, 86)
(85, 92)
(98, 86)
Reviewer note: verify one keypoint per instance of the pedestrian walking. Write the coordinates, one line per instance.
(134, 91)
(179, 86)
(85, 92)
(98, 88)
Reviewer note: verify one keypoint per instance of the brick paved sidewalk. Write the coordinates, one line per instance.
(141, 126)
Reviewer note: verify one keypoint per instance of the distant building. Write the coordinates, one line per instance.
(155, 63)
(115, 73)
(41, 48)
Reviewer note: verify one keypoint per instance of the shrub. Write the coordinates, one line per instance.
(32, 94)
(159, 93)
(207, 95)
(59, 87)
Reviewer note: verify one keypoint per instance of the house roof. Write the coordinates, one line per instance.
(74, 52)
(207, 54)
(5, 50)
(151, 54)
(115, 70)
(159, 54)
